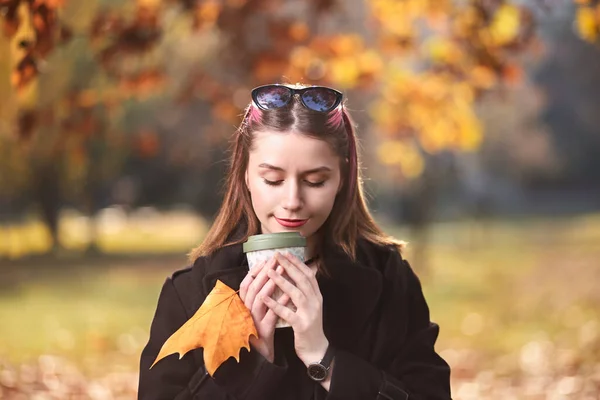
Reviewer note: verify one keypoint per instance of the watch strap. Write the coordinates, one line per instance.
(328, 357)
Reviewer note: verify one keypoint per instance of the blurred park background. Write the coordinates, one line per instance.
(479, 122)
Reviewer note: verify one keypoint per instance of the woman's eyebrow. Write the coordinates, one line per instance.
(310, 171)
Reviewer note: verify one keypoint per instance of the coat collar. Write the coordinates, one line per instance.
(351, 292)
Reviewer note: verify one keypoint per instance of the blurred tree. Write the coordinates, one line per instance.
(83, 72)
(573, 107)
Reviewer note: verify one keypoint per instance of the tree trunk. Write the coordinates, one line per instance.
(47, 192)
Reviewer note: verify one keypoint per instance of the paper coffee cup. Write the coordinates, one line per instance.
(263, 247)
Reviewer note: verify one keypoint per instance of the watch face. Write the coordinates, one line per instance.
(317, 372)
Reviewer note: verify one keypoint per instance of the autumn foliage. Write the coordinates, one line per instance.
(421, 64)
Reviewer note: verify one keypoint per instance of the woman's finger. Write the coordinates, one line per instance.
(258, 307)
(258, 282)
(298, 263)
(295, 294)
(310, 273)
(271, 318)
(250, 276)
(278, 309)
(302, 281)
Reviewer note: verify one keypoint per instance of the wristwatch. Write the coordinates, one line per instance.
(318, 371)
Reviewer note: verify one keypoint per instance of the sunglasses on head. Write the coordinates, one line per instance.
(316, 98)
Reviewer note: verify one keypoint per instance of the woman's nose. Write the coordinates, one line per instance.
(293, 198)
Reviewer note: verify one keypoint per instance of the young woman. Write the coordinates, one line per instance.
(361, 327)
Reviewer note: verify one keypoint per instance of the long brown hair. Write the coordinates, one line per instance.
(350, 218)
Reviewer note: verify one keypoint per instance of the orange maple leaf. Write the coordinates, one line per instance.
(222, 326)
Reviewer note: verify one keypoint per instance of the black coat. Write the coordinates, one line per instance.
(374, 313)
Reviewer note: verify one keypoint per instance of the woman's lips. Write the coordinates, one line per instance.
(291, 223)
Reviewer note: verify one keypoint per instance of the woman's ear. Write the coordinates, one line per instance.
(247, 180)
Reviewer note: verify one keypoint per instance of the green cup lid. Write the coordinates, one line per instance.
(274, 241)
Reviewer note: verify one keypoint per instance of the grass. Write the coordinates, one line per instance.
(82, 315)
(496, 290)
(493, 289)
(142, 231)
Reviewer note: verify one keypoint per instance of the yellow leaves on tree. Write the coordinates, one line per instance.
(439, 115)
(439, 56)
(403, 154)
(444, 116)
(207, 13)
(342, 60)
(52, 3)
(344, 71)
(268, 67)
(483, 77)
(299, 31)
(444, 50)
(143, 84)
(505, 25)
(464, 23)
(397, 17)
(222, 326)
(587, 22)
(225, 111)
(148, 3)
(424, 61)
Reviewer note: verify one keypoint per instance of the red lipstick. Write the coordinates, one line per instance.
(291, 223)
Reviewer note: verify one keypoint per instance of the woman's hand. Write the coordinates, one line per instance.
(254, 285)
(307, 321)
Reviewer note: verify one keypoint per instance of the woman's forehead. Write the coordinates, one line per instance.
(292, 149)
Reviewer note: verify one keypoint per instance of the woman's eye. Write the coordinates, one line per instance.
(308, 183)
(315, 184)
(272, 183)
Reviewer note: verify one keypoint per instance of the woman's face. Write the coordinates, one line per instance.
(293, 180)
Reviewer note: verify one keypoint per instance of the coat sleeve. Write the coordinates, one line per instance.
(416, 372)
(253, 378)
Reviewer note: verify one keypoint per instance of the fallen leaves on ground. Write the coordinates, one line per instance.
(52, 377)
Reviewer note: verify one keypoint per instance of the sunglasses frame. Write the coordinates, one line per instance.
(293, 91)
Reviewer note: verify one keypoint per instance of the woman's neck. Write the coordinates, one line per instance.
(312, 245)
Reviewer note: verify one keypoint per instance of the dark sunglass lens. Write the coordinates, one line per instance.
(273, 97)
(319, 99)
